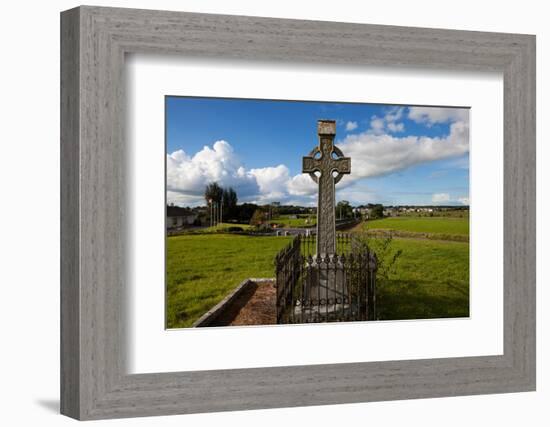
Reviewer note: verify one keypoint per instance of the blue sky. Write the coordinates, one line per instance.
(400, 154)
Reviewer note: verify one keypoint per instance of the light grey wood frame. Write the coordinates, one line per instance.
(94, 41)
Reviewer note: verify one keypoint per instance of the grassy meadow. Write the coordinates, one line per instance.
(202, 269)
(423, 224)
(430, 278)
(221, 227)
(436, 228)
(302, 220)
(432, 275)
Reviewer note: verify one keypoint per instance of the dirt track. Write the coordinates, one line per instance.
(255, 306)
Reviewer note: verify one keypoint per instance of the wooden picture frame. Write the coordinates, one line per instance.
(94, 41)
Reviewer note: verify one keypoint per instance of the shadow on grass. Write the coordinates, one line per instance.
(406, 300)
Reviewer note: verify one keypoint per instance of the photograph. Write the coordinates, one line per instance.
(311, 213)
(283, 212)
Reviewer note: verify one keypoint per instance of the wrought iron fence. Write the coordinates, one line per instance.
(333, 288)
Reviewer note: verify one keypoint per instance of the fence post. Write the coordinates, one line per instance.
(371, 283)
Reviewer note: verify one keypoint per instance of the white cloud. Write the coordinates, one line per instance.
(394, 114)
(389, 122)
(359, 194)
(433, 115)
(396, 127)
(186, 176)
(379, 154)
(180, 199)
(350, 126)
(374, 152)
(302, 185)
(272, 182)
(377, 124)
(445, 198)
(441, 198)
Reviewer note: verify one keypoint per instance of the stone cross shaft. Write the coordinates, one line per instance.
(329, 161)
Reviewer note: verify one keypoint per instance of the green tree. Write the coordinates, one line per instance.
(376, 211)
(344, 210)
(244, 212)
(213, 193)
(257, 217)
(229, 201)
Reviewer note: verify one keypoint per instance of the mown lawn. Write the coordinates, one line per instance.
(202, 269)
(296, 222)
(436, 225)
(431, 280)
(225, 226)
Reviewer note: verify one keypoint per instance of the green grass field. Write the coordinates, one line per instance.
(203, 269)
(431, 279)
(432, 225)
(222, 227)
(296, 222)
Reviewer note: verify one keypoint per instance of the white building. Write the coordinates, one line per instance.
(177, 217)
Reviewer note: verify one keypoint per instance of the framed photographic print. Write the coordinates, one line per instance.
(262, 213)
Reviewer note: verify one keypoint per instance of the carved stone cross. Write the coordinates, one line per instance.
(329, 161)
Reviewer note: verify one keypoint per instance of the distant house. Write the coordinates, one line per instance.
(177, 217)
(364, 212)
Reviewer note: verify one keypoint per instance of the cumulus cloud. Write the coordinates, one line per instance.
(389, 122)
(441, 198)
(302, 185)
(394, 114)
(378, 154)
(377, 151)
(446, 199)
(350, 126)
(464, 200)
(187, 176)
(377, 125)
(272, 182)
(433, 115)
(396, 127)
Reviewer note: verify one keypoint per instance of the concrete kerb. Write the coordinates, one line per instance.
(212, 315)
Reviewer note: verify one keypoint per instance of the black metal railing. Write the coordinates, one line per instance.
(332, 288)
(344, 242)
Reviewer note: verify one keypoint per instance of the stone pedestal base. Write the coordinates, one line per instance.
(325, 294)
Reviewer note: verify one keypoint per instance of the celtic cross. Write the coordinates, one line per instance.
(329, 161)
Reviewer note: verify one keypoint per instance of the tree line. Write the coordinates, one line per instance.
(223, 205)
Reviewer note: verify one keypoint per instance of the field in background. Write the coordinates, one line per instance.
(302, 220)
(423, 224)
(436, 228)
(226, 226)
